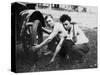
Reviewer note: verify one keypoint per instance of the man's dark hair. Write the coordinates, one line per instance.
(65, 17)
(48, 16)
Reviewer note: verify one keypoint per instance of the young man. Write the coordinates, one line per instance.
(57, 30)
(77, 36)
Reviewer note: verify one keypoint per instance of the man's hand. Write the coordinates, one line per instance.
(52, 60)
(35, 48)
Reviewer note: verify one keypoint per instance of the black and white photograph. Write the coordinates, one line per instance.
(53, 37)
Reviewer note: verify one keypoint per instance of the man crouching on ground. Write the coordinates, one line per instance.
(57, 30)
(78, 37)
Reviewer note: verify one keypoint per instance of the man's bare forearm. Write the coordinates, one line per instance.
(51, 36)
(46, 30)
(58, 48)
(49, 39)
(56, 52)
(45, 42)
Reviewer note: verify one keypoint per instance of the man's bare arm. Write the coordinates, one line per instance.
(57, 49)
(47, 40)
(46, 30)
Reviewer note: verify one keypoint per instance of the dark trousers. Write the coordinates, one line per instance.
(66, 48)
(72, 50)
(52, 45)
(79, 51)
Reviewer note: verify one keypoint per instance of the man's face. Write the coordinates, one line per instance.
(66, 24)
(49, 21)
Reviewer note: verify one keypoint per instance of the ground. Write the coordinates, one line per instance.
(25, 64)
(87, 22)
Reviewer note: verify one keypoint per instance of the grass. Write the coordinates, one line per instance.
(27, 64)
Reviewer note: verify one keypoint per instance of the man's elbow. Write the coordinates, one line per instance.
(49, 40)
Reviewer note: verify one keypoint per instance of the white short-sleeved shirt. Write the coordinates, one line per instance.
(81, 37)
(61, 31)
